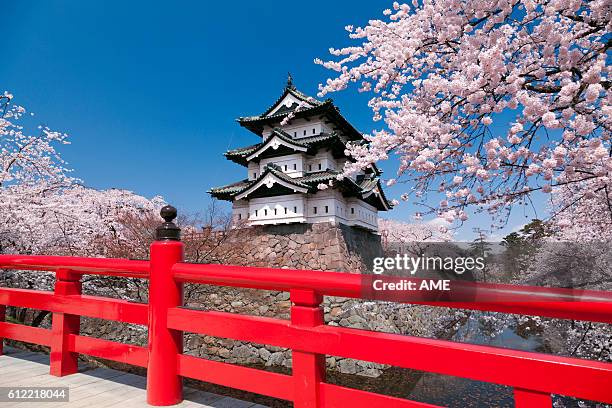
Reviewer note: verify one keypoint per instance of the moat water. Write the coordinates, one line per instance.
(445, 390)
(459, 392)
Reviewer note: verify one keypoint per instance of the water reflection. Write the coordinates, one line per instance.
(460, 392)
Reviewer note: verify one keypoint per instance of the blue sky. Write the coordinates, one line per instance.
(149, 92)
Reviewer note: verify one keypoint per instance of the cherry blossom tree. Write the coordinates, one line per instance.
(579, 213)
(29, 159)
(487, 102)
(43, 209)
(398, 232)
(75, 221)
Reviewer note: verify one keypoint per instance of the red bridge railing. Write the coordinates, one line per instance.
(533, 376)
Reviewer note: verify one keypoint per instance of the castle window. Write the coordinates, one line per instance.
(294, 166)
(326, 209)
(275, 211)
(294, 133)
(265, 213)
(310, 167)
(239, 216)
(295, 210)
(352, 210)
(254, 175)
(304, 132)
(256, 213)
(314, 210)
(285, 167)
(313, 131)
(319, 166)
(285, 210)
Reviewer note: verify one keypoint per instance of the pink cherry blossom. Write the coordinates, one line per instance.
(439, 71)
(43, 208)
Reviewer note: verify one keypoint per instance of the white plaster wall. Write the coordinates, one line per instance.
(360, 212)
(339, 164)
(240, 210)
(292, 165)
(323, 160)
(325, 128)
(338, 210)
(322, 206)
(301, 208)
(253, 171)
(300, 128)
(289, 208)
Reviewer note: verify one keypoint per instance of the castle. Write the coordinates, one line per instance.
(293, 172)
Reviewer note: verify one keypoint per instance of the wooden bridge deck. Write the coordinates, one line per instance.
(93, 387)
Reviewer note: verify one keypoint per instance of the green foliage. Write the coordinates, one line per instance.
(521, 246)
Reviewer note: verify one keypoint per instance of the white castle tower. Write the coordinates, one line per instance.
(302, 147)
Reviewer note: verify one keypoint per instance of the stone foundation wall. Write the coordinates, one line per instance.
(322, 246)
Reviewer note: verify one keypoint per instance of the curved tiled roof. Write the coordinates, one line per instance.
(230, 188)
(240, 155)
(327, 107)
(243, 151)
(293, 91)
(310, 181)
(367, 184)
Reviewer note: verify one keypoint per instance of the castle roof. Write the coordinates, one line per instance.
(274, 182)
(280, 143)
(290, 89)
(301, 106)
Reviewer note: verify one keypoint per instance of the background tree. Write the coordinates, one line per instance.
(447, 76)
(394, 232)
(43, 210)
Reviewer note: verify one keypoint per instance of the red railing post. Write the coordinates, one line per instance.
(62, 361)
(2, 319)
(164, 385)
(308, 368)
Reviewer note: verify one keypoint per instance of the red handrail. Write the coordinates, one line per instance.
(534, 376)
(92, 266)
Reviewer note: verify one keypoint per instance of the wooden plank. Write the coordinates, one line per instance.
(23, 370)
(94, 387)
(120, 396)
(228, 402)
(75, 381)
(96, 391)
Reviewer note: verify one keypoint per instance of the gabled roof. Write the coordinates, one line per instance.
(225, 192)
(275, 114)
(366, 188)
(269, 178)
(306, 144)
(290, 89)
(373, 193)
(309, 182)
(274, 141)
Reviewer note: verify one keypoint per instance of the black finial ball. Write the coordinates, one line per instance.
(168, 230)
(168, 213)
